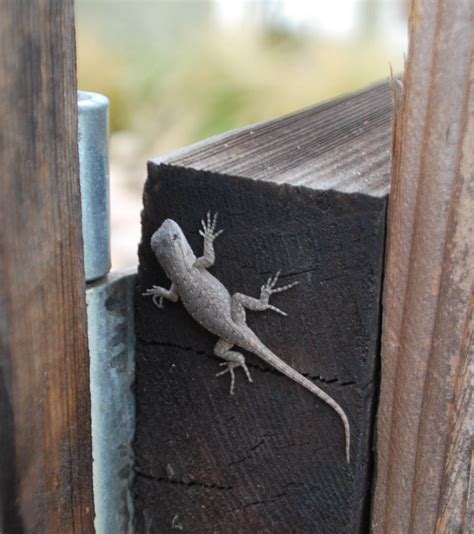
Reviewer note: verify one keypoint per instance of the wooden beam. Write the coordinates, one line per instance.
(305, 194)
(45, 448)
(426, 411)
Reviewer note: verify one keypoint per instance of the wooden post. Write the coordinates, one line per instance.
(45, 449)
(426, 409)
(305, 194)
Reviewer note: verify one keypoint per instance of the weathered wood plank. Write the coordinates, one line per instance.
(271, 458)
(426, 414)
(45, 450)
(343, 144)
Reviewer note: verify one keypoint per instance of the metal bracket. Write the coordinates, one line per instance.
(112, 373)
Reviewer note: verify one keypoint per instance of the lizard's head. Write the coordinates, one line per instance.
(171, 247)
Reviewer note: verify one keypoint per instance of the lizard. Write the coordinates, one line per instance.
(210, 304)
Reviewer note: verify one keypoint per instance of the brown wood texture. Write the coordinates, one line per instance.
(45, 446)
(271, 457)
(425, 416)
(343, 144)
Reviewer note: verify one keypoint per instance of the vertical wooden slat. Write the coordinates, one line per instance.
(45, 447)
(426, 414)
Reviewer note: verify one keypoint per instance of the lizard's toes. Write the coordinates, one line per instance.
(226, 370)
(159, 303)
(247, 372)
(277, 310)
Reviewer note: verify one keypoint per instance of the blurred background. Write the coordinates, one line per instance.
(178, 71)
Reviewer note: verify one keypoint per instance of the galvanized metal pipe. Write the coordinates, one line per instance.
(112, 374)
(94, 177)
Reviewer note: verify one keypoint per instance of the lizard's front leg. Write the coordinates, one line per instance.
(233, 359)
(157, 292)
(240, 301)
(209, 233)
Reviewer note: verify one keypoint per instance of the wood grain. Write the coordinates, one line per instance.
(270, 458)
(45, 448)
(343, 144)
(426, 414)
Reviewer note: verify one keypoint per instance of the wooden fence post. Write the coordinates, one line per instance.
(426, 412)
(305, 194)
(45, 449)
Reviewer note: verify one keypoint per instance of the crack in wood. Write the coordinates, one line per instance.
(335, 381)
(181, 482)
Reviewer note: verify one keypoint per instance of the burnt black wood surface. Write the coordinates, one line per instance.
(271, 457)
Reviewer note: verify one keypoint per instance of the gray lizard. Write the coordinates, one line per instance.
(212, 306)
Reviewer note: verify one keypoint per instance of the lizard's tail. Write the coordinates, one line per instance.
(272, 359)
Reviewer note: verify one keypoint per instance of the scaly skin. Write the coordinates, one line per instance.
(212, 306)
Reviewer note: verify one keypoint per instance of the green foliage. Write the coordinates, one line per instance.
(190, 81)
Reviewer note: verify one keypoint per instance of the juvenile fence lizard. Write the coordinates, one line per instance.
(222, 314)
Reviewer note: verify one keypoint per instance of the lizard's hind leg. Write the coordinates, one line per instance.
(233, 359)
(241, 302)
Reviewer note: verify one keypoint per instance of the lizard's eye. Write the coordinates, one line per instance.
(175, 237)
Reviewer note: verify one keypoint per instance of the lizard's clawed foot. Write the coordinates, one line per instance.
(269, 289)
(209, 227)
(155, 293)
(230, 366)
